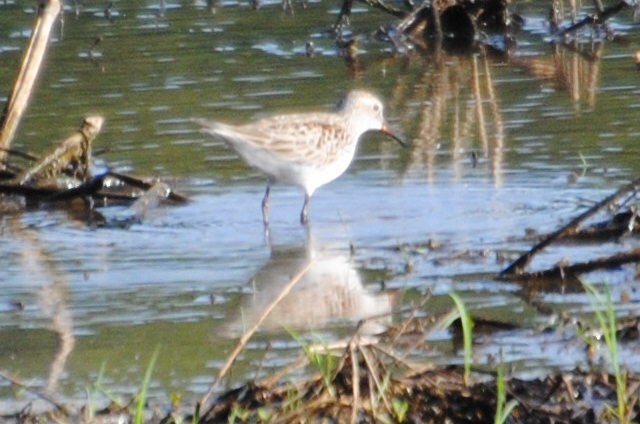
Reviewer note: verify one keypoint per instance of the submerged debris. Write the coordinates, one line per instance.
(65, 174)
(71, 158)
(622, 223)
(470, 26)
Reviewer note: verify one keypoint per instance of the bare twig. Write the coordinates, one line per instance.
(345, 10)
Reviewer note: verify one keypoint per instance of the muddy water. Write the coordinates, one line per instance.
(557, 131)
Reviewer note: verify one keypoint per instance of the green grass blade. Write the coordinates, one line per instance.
(467, 333)
(503, 408)
(606, 315)
(142, 394)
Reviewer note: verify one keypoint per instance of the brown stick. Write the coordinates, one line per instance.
(27, 74)
(249, 333)
(517, 267)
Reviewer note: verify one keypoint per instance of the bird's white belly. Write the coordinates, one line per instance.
(305, 175)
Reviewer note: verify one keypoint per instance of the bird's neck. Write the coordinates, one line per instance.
(355, 127)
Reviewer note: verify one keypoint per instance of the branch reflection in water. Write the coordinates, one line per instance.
(52, 297)
(449, 101)
(331, 292)
(572, 67)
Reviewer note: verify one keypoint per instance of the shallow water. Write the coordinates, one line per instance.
(189, 278)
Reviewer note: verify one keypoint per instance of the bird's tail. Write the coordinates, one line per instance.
(206, 125)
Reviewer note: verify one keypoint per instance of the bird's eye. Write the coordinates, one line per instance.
(376, 108)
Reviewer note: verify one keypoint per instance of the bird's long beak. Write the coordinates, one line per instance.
(386, 130)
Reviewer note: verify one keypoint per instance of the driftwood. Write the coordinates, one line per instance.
(620, 225)
(517, 267)
(72, 156)
(28, 73)
(94, 188)
(43, 182)
(64, 173)
(71, 159)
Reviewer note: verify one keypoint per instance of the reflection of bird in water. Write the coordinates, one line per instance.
(330, 292)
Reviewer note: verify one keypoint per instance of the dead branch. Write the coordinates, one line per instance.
(74, 153)
(28, 73)
(73, 157)
(92, 188)
(563, 272)
(517, 267)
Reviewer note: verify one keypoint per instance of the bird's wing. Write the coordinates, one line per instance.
(307, 138)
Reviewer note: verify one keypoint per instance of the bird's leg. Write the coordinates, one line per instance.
(265, 206)
(304, 215)
(267, 237)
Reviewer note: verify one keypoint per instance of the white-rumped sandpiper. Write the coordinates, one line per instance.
(305, 149)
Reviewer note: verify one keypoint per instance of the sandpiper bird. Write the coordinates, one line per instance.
(305, 149)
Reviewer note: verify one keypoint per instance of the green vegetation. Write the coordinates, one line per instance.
(503, 408)
(238, 414)
(400, 408)
(323, 361)
(467, 334)
(606, 316)
(141, 400)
